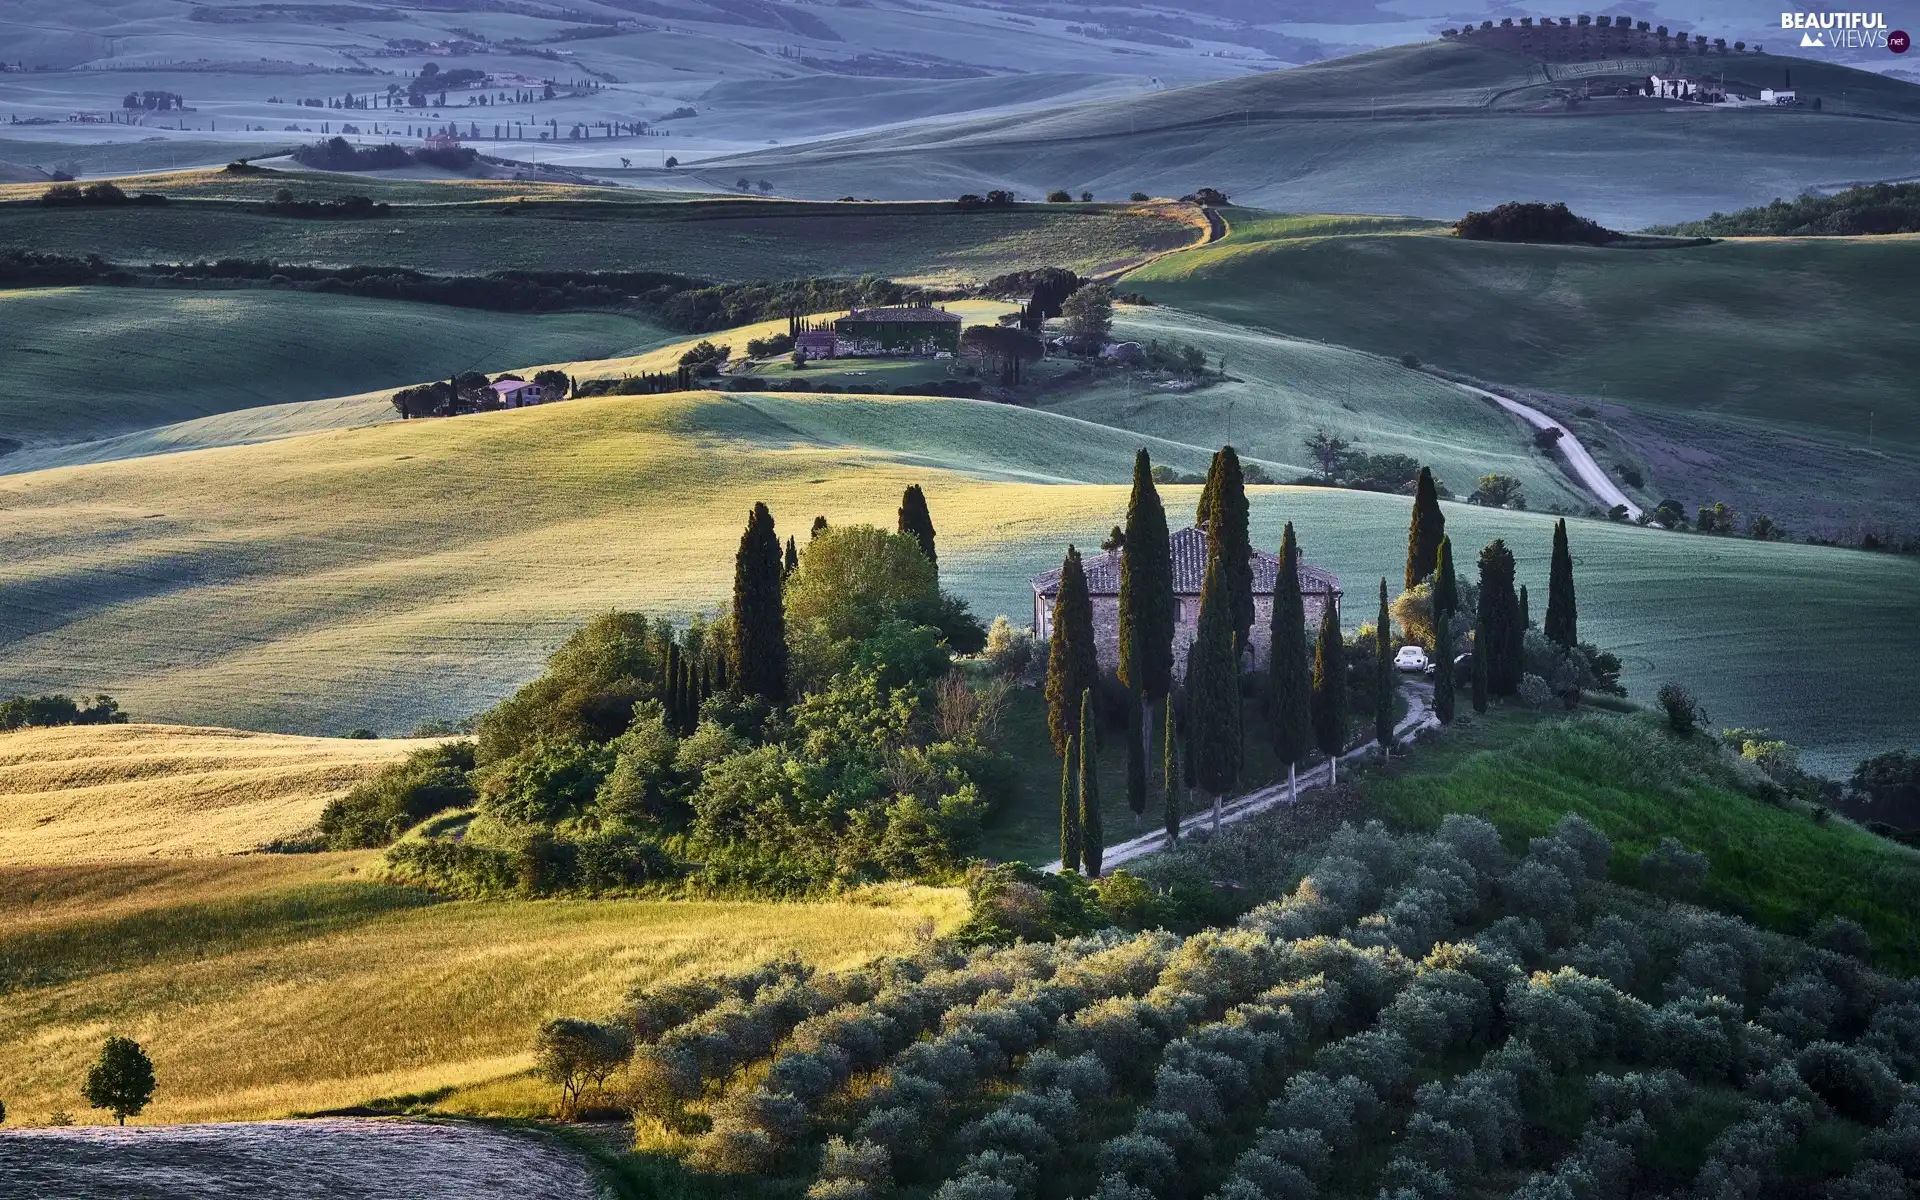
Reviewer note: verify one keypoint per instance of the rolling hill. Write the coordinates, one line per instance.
(1433, 129)
(1753, 371)
(387, 575)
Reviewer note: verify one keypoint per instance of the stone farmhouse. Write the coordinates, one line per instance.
(904, 331)
(516, 393)
(1318, 588)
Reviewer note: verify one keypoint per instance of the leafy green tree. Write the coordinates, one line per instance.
(1092, 838)
(854, 581)
(1383, 674)
(1070, 837)
(917, 522)
(576, 1054)
(1329, 451)
(120, 1080)
(1213, 689)
(1563, 620)
(1427, 527)
(1073, 664)
(1146, 619)
(1089, 314)
(1289, 678)
(759, 648)
(1502, 636)
(1329, 699)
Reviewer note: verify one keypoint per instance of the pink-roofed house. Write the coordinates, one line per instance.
(518, 393)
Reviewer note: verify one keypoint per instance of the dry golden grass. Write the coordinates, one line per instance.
(282, 984)
(94, 793)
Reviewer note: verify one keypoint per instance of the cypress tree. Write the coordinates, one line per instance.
(1213, 688)
(1073, 665)
(1443, 668)
(1446, 585)
(1146, 619)
(1383, 674)
(706, 686)
(793, 557)
(759, 611)
(1229, 540)
(1563, 615)
(1170, 774)
(1092, 839)
(1480, 666)
(1526, 611)
(819, 527)
(1070, 805)
(1329, 701)
(1289, 679)
(1203, 512)
(1424, 532)
(917, 521)
(1499, 637)
(675, 716)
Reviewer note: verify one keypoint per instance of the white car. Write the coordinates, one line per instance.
(1411, 658)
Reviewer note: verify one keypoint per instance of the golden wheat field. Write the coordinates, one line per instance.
(119, 792)
(276, 984)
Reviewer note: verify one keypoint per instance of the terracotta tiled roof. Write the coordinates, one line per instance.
(900, 314)
(1189, 569)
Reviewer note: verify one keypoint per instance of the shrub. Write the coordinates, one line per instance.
(376, 812)
(1535, 692)
(1672, 870)
(1683, 712)
(1140, 1160)
(974, 1186)
(1009, 647)
(1139, 197)
(865, 1162)
(1857, 1083)
(1059, 196)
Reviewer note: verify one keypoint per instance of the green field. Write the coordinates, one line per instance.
(96, 362)
(719, 239)
(1750, 371)
(382, 576)
(1776, 866)
(1415, 129)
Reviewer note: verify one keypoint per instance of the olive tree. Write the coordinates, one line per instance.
(575, 1054)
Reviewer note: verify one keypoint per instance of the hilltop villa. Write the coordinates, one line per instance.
(517, 393)
(1318, 588)
(910, 331)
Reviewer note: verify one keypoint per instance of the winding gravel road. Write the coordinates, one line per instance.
(1419, 716)
(1580, 462)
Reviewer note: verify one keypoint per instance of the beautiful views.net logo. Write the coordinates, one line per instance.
(1839, 30)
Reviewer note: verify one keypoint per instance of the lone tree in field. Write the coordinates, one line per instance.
(917, 521)
(1070, 805)
(1289, 677)
(1073, 664)
(1329, 701)
(1428, 526)
(1446, 598)
(1146, 622)
(1383, 674)
(120, 1080)
(575, 1054)
(1563, 615)
(759, 611)
(1213, 688)
(1501, 636)
(1092, 838)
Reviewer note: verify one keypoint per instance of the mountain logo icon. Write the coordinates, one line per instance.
(1813, 40)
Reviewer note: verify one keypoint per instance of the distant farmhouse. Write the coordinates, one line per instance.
(905, 331)
(517, 393)
(1318, 588)
(1683, 87)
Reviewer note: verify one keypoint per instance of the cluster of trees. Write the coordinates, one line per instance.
(284, 204)
(472, 392)
(648, 383)
(1878, 208)
(23, 712)
(995, 199)
(153, 101)
(338, 154)
(68, 195)
(1528, 222)
(1491, 1017)
(1338, 464)
(816, 733)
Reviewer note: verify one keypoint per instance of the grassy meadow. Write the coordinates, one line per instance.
(464, 231)
(271, 985)
(383, 576)
(96, 362)
(141, 792)
(1776, 866)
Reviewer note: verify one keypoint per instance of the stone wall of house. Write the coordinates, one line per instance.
(1106, 629)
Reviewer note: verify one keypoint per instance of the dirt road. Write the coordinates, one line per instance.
(1579, 461)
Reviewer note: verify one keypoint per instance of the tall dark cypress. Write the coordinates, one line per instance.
(917, 521)
(1329, 700)
(706, 685)
(793, 557)
(1446, 598)
(1446, 585)
(1563, 614)
(759, 611)
(1289, 677)
(1203, 512)
(675, 702)
(1073, 664)
(1424, 532)
(1500, 636)
(1070, 805)
(1092, 837)
(1228, 537)
(1213, 690)
(819, 527)
(1146, 618)
(1480, 666)
(1170, 775)
(1526, 611)
(1383, 674)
